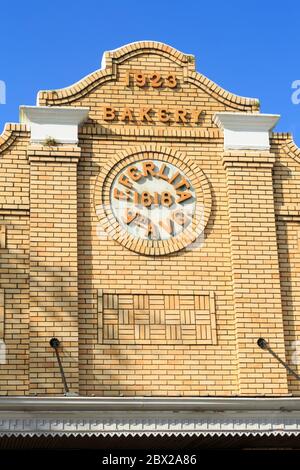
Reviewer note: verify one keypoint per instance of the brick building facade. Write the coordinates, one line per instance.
(150, 221)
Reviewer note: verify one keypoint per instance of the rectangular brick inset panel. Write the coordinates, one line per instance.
(151, 318)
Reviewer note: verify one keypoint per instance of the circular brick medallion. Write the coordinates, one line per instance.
(153, 200)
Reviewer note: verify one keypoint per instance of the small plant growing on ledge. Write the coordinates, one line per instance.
(50, 142)
(190, 58)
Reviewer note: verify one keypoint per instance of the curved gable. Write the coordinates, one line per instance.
(291, 149)
(10, 134)
(113, 60)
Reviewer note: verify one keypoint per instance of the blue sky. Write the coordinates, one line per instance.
(251, 48)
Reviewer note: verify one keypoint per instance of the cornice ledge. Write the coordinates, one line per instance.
(59, 153)
(59, 124)
(248, 158)
(245, 130)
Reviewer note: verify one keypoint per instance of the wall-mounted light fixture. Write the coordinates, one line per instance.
(55, 343)
(263, 344)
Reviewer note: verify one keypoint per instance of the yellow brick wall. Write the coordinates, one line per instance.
(63, 276)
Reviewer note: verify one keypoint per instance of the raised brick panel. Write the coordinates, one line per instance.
(255, 271)
(53, 267)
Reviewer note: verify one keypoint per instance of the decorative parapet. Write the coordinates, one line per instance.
(109, 71)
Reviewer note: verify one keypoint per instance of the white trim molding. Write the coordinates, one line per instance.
(56, 123)
(138, 416)
(246, 131)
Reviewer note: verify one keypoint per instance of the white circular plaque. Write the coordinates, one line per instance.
(152, 200)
